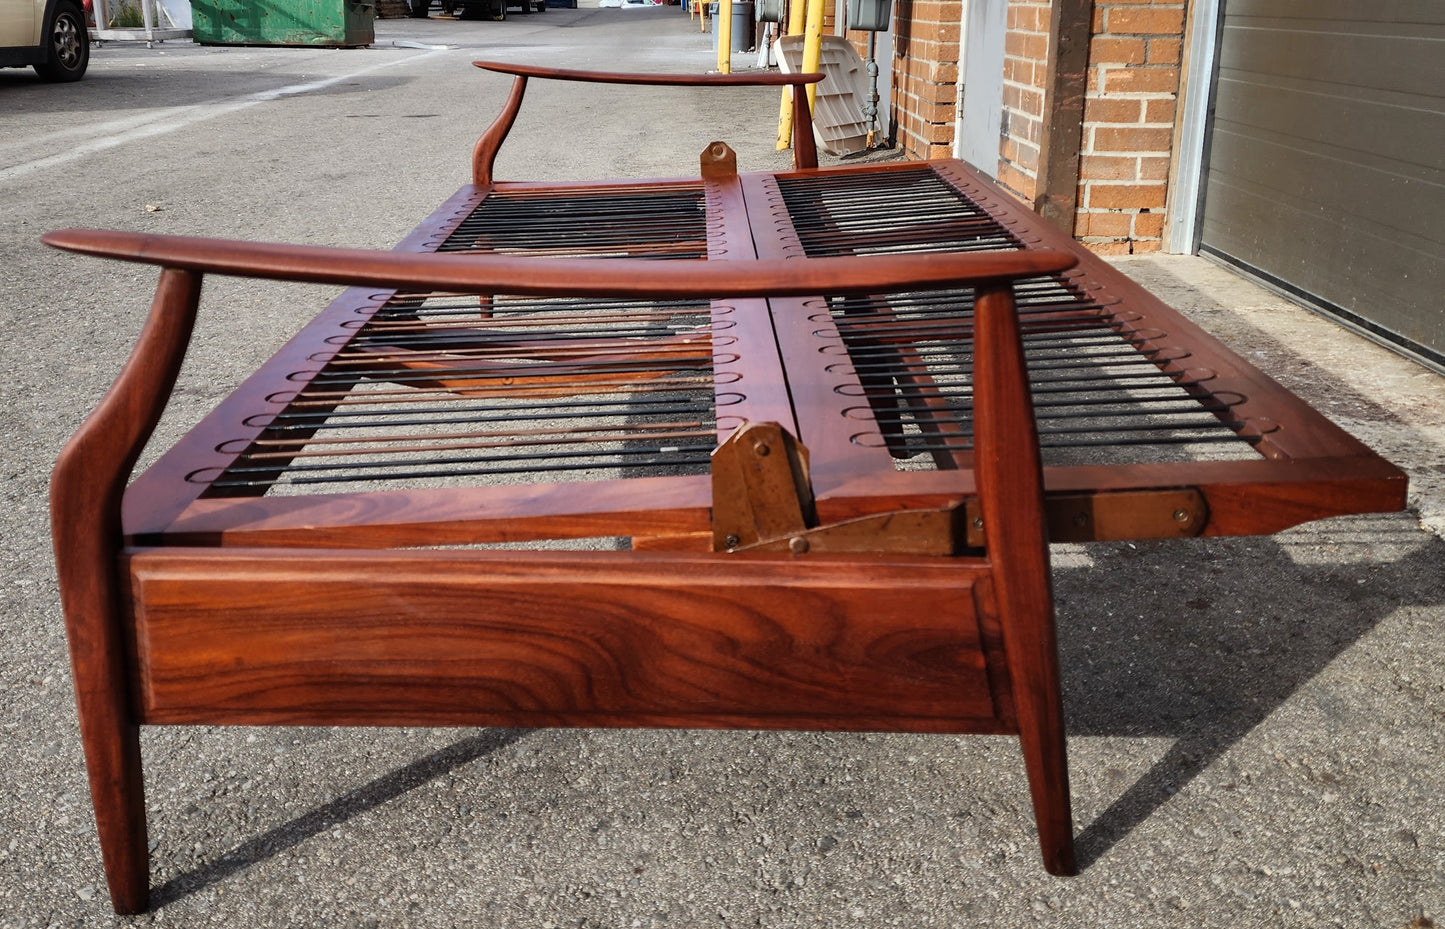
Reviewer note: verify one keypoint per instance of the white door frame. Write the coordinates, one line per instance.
(1191, 127)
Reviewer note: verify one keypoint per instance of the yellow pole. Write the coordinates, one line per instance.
(813, 45)
(796, 18)
(724, 27)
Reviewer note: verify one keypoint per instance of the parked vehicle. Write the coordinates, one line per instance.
(47, 35)
(490, 9)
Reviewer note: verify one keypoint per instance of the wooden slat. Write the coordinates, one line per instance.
(808, 342)
(750, 383)
(444, 516)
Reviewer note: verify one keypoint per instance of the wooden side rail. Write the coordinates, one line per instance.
(484, 155)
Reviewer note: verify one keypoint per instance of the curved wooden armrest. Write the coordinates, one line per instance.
(611, 277)
(741, 79)
(484, 154)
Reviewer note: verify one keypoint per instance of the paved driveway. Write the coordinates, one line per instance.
(1256, 724)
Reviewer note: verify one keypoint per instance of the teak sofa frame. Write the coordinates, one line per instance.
(798, 581)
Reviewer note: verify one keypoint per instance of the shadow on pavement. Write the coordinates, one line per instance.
(343, 808)
(1200, 641)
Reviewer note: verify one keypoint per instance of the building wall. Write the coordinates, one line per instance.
(1025, 65)
(1135, 52)
(1134, 66)
(925, 75)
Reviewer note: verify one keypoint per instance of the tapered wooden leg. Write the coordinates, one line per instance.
(86, 564)
(108, 733)
(112, 759)
(1010, 489)
(1048, 770)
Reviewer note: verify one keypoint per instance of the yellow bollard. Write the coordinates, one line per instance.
(813, 45)
(796, 17)
(724, 27)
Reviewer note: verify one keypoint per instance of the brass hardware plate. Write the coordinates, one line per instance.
(762, 501)
(1113, 516)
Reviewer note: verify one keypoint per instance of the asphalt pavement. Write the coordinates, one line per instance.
(1255, 723)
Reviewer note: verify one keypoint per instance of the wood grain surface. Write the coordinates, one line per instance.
(541, 638)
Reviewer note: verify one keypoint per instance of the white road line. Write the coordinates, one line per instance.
(124, 131)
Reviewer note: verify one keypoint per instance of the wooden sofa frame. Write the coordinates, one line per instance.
(763, 591)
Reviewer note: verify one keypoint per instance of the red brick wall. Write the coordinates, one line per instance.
(1133, 81)
(1025, 64)
(925, 75)
(1134, 61)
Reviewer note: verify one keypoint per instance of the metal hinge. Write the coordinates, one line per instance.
(762, 501)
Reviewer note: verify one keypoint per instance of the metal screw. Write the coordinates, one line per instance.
(797, 545)
(731, 541)
(1081, 520)
(762, 449)
(1181, 515)
(978, 522)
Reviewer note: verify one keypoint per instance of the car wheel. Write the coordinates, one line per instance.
(69, 45)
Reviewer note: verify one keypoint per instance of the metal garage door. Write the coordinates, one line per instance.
(1326, 160)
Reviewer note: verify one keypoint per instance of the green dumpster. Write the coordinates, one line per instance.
(283, 22)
